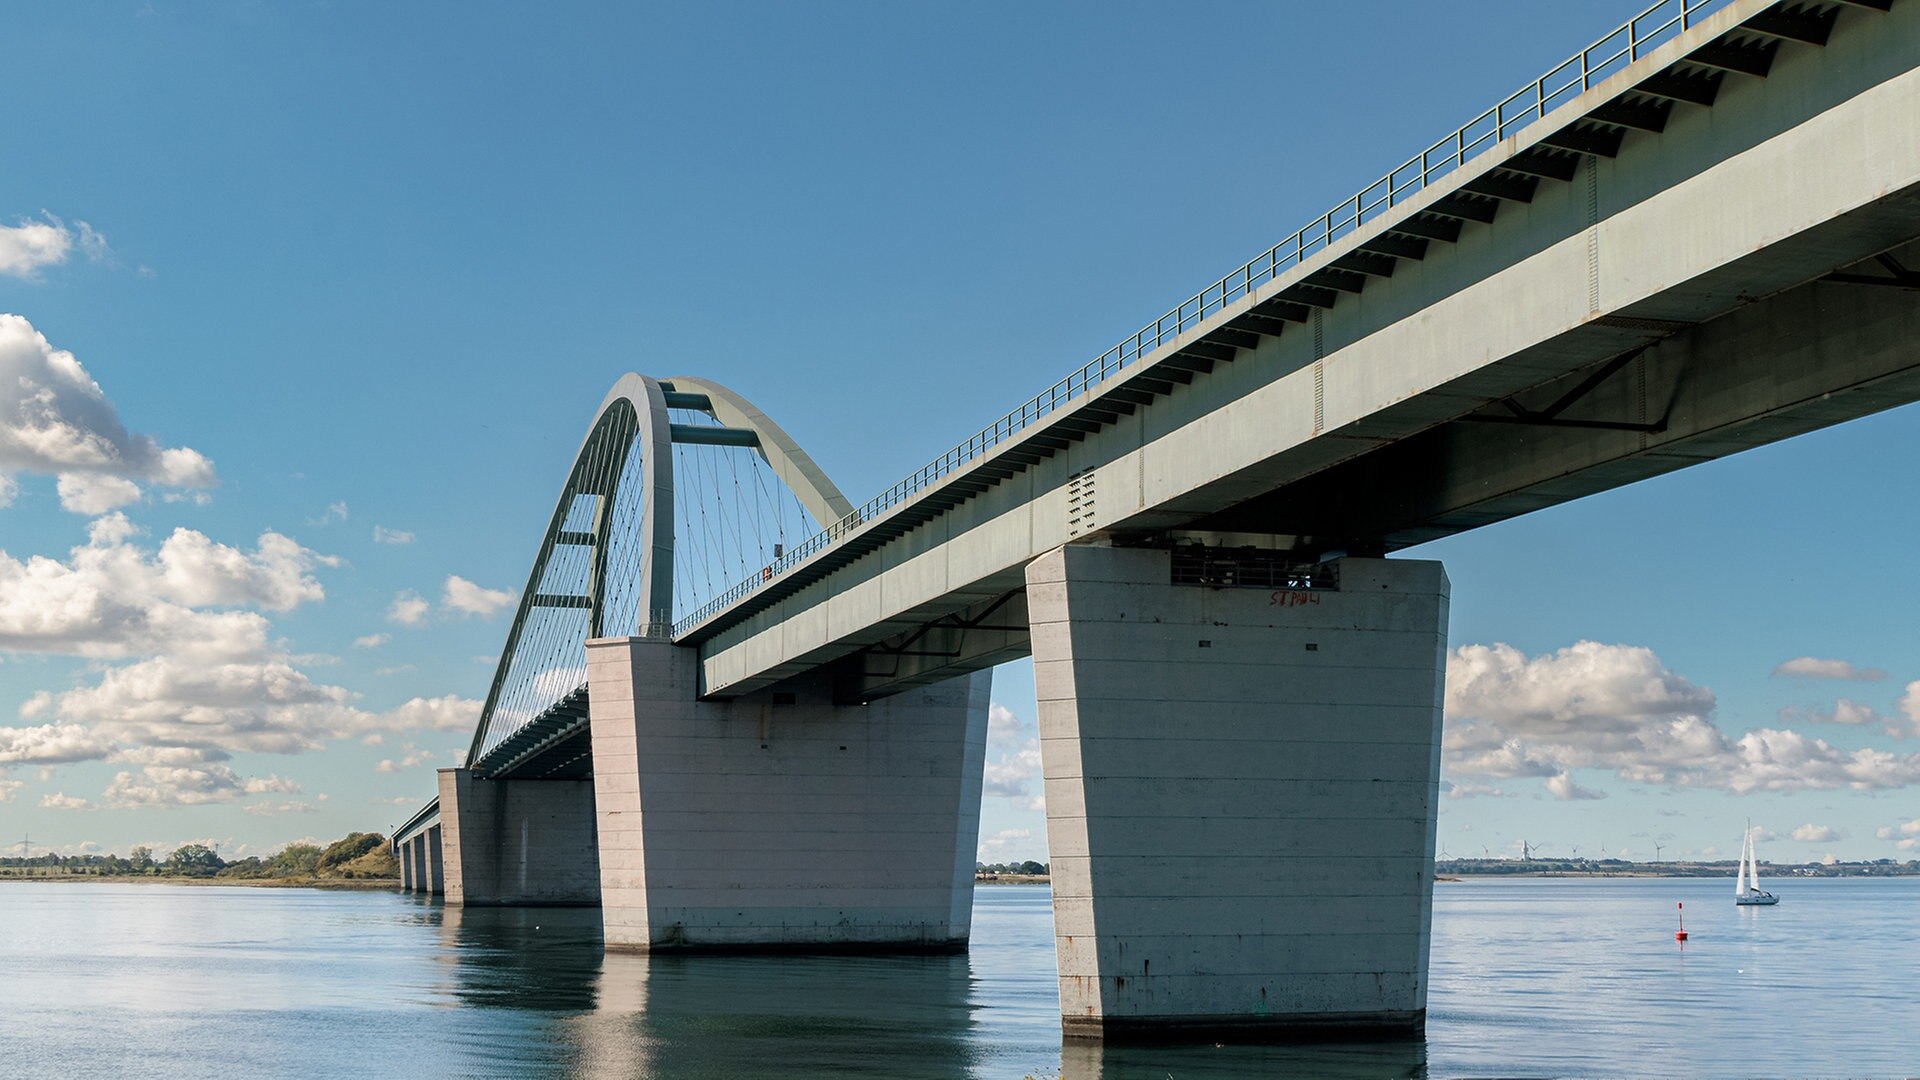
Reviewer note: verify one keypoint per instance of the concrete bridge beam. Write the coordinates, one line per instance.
(781, 820)
(1241, 790)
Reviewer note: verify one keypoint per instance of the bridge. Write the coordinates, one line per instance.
(737, 712)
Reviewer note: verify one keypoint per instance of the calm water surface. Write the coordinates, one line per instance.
(1530, 977)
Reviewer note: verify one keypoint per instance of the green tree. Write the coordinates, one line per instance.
(347, 849)
(249, 867)
(141, 859)
(294, 860)
(195, 860)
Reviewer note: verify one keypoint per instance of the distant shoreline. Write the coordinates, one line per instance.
(335, 884)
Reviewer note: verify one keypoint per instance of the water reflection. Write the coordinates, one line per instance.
(720, 1016)
(727, 1016)
(532, 959)
(1082, 1059)
(627, 1015)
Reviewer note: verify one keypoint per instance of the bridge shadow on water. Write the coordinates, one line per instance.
(583, 1012)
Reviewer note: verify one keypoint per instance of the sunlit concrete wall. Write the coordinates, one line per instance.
(1241, 792)
(781, 820)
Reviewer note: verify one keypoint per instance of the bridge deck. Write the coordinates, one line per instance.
(1723, 165)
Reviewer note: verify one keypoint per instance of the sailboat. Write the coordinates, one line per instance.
(1746, 889)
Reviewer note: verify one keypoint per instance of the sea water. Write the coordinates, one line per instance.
(1530, 977)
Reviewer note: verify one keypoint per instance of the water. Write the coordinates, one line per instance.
(1530, 977)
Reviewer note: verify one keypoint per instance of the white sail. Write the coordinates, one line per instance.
(1753, 866)
(1740, 881)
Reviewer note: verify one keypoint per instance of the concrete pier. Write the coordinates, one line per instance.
(528, 842)
(416, 873)
(436, 883)
(781, 820)
(1241, 793)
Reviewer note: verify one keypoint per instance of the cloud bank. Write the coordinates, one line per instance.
(1617, 708)
(54, 420)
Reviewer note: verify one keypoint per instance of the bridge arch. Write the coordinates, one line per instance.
(604, 565)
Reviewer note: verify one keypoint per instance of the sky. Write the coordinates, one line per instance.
(306, 307)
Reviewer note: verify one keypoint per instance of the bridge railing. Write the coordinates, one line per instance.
(1567, 80)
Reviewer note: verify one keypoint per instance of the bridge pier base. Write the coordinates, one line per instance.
(780, 821)
(1241, 794)
(516, 842)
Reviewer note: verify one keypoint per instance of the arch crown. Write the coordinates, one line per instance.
(605, 562)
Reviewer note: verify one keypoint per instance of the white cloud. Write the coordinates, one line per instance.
(55, 420)
(1814, 667)
(1815, 834)
(1014, 754)
(252, 706)
(1008, 845)
(1454, 790)
(336, 511)
(51, 744)
(408, 609)
(166, 786)
(1844, 711)
(271, 809)
(1616, 707)
(114, 598)
(1909, 706)
(449, 712)
(92, 494)
(384, 535)
(9, 788)
(371, 641)
(62, 801)
(1905, 828)
(1563, 788)
(397, 669)
(417, 757)
(1015, 764)
(465, 597)
(29, 246)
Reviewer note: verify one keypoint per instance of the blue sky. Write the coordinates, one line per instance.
(375, 264)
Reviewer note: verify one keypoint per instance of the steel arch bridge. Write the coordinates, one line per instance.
(678, 488)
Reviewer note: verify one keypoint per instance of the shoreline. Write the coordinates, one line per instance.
(332, 884)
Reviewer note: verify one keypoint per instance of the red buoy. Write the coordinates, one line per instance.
(1681, 934)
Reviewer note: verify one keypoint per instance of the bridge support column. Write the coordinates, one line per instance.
(780, 821)
(436, 868)
(417, 864)
(508, 842)
(1241, 791)
(403, 854)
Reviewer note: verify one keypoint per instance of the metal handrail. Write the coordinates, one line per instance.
(1577, 74)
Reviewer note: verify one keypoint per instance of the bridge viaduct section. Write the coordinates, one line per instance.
(1697, 251)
